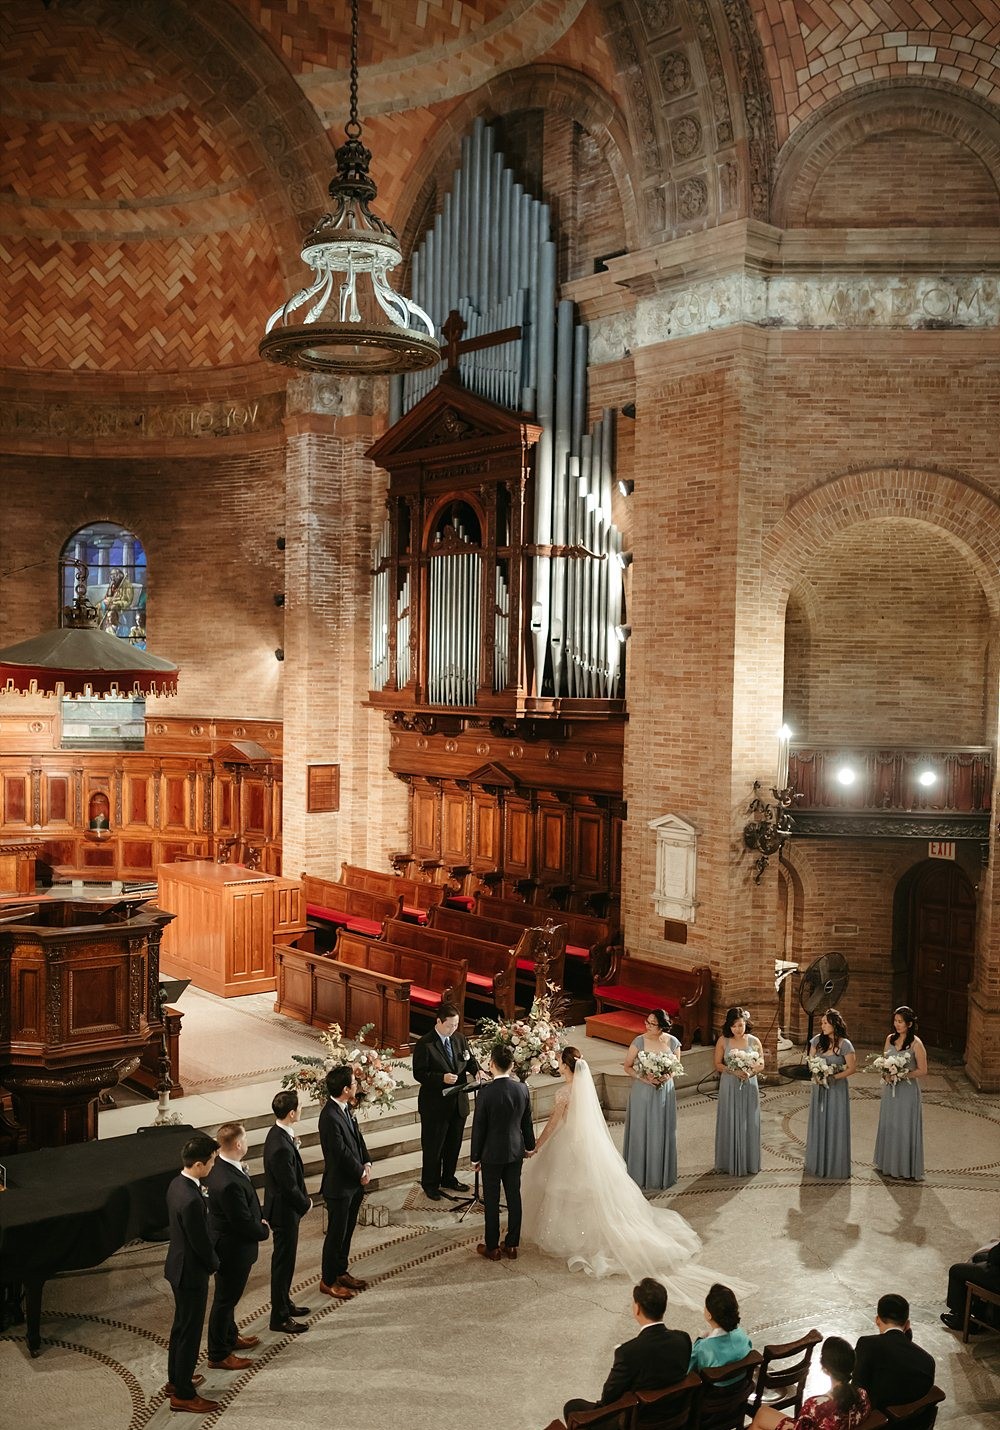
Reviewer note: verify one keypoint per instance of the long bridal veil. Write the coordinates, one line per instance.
(581, 1204)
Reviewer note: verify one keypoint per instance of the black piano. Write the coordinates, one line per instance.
(67, 1208)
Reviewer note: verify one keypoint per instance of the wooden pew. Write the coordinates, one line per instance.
(589, 940)
(344, 906)
(511, 934)
(492, 966)
(364, 981)
(639, 985)
(417, 895)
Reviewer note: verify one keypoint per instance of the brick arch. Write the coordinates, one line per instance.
(548, 87)
(964, 513)
(932, 108)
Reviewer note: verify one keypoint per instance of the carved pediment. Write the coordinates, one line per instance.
(449, 416)
(492, 776)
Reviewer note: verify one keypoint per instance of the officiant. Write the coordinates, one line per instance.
(442, 1059)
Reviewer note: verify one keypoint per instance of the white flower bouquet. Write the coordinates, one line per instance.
(891, 1067)
(742, 1060)
(820, 1071)
(533, 1039)
(658, 1067)
(372, 1070)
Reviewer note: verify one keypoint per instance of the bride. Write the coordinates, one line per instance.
(581, 1204)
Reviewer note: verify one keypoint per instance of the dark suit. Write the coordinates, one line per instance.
(285, 1204)
(344, 1158)
(892, 1369)
(442, 1119)
(982, 1273)
(501, 1134)
(653, 1360)
(190, 1262)
(236, 1228)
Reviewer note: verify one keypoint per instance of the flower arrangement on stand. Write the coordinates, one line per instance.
(372, 1070)
(533, 1039)
(741, 1060)
(891, 1067)
(658, 1067)
(820, 1071)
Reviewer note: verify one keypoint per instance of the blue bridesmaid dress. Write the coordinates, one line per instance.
(737, 1123)
(828, 1136)
(650, 1148)
(899, 1145)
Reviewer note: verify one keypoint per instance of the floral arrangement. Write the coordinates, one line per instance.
(820, 1071)
(372, 1070)
(742, 1060)
(891, 1067)
(658, 1066)
(533, 1039)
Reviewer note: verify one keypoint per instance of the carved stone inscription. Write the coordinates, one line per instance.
(19, 417)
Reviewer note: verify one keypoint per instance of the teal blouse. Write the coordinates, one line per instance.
(720, 1350)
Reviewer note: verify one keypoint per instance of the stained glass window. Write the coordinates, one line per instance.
(115, 578)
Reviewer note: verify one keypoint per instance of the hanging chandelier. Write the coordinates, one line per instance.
(359, 325)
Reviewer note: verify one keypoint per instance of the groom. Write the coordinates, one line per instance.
(502, 1136)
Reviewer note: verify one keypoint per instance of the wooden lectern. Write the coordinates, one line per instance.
(227, 920)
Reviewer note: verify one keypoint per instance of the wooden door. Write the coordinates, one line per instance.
(942, 952)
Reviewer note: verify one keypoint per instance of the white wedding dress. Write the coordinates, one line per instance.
(580, 1204)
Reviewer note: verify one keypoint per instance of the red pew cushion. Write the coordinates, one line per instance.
(415, 915)
(371, 928)
(637, 998)
(461, 901)
(424, 995)
(479, 980)
(330, 916)
(575, 950)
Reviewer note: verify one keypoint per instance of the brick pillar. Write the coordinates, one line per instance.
(982, 1049)
(334, 503)
(705, 662)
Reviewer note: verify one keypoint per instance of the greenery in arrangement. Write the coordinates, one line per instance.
(372, 1070)
(533, 1038)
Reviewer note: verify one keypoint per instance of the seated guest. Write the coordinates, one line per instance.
(653, 1360)
(843, 1407)
(982, 1270)
(725, 1342)
(889, 1366)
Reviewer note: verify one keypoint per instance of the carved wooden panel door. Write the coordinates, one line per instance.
(942, 954)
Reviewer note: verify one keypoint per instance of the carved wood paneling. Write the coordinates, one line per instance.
(426, 825)
(486, 826)
(551, 829)
(454, 826)
(519, 838)
(590, 849)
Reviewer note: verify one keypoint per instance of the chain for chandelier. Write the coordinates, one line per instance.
(360, 325)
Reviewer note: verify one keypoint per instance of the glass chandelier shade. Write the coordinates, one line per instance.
(358, 324)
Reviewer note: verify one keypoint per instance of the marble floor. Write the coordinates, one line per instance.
(443, 1339)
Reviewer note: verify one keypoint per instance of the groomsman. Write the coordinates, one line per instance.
(237, 1229)
(286, 1202)
(889, 1366)
(652, 1360)
(190, 1262)
(441, 1059)
(347, 1170)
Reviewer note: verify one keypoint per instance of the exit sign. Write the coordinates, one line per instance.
(941, 849)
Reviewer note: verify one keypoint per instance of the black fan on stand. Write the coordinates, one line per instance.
(821, 986)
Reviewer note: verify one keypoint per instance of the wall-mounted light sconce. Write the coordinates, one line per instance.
(626, 486)
(846, 776)
(628, 410)
(280, 543)
(279, 598)
(769, 826)
(927, 778)
(279, 654)
(624, 559)
(622, 633)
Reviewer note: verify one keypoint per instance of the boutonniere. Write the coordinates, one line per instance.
(203, 1190)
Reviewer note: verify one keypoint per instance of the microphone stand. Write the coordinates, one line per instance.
(463, 1205)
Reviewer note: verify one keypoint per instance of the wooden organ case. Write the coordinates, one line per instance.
(497, 589)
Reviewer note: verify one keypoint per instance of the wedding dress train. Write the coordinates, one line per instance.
(581, 1204)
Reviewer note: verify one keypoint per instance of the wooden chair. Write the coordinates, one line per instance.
(874, 1420)
(723, 1407)
(673, 1409)
(788, 1380)
(605, 1417)
(918, 1414)
(978, 1293)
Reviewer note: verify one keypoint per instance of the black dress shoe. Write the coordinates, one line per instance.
(954, 1323)
(455, 1186)
(431, 1193)
(298, 1310)
(289, 1328)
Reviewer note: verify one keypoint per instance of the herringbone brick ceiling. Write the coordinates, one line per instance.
(136, 227)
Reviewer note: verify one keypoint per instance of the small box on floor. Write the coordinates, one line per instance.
(371, 1214)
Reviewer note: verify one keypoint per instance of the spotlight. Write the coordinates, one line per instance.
(628, 410)
(927, 778)
(622, 633)
(845, 775)
(785, 733)
(280, 543)
(279, 654)
(279, 598)
(624, 559)
(626, 486)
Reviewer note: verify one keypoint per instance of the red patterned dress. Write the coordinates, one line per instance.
(820, 1413)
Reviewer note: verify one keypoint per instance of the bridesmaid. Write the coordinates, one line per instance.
(899, 1145)
(650, 1148)
(828, 1137)
(737, 1124)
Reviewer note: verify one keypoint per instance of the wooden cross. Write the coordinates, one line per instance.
(454, 326)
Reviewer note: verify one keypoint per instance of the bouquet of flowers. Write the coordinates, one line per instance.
(741, 1060)
(533, 1039)
(891, 1067)
(820, 1071)
(658, 1066)
(372, 1070)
